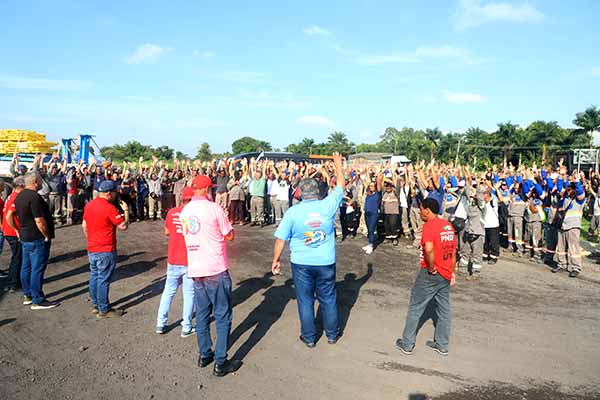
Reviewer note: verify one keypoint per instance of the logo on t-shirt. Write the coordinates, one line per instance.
(191, 225)
(314, 238)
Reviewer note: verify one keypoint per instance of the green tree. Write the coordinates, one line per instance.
(433, 136)
(338, 141)
(164, 152)
(204, 153)
(248, 144)
(589, 121)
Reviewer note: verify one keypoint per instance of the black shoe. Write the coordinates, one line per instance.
(227, 367)
(492, 261)
(253, 224)
(263, 225)
(334, 340)
(204, 362)
(402, 347)
(555, 269)
(308, 344)
(573, 274)
(437, 347)
(395, 242)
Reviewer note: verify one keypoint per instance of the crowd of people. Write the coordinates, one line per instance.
(530, 211)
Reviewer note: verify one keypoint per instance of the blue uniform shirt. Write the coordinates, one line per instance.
(308, 226)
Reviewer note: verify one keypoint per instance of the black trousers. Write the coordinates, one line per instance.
(14, 272)
(491, 245)
(390, 223)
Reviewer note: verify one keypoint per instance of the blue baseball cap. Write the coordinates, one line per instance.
(108, 186)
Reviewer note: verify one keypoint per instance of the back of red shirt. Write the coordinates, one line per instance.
(9, 205)
(102, 219)
(441, 234)
(177, 248)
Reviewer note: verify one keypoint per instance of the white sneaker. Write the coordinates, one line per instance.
(366, 247)
(369, 250)
(189, 333)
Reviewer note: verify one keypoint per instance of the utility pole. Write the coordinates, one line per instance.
(457, 150)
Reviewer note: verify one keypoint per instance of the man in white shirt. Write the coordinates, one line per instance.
(491, 223)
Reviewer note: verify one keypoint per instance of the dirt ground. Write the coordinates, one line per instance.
(519, 332)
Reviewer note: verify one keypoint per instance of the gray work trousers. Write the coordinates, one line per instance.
(473, 251)
(417, 225)
(404, 222)
(515, 232)
(281, 206)
(55, 203)
(154, 207)
(568, 250)
(428, 288)
(532, 236)
(257, 209)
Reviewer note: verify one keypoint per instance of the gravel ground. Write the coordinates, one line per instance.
(519, 332)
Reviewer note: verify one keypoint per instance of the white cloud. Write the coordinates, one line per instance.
(315, 120)
(473, 13)
(20, 82)
(423, 54)
(463, 97)
(316, 31)
(147, 53)
(207, 55)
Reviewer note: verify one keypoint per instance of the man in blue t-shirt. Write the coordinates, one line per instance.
(308, 227)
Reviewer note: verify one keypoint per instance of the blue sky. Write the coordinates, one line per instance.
(184, 72)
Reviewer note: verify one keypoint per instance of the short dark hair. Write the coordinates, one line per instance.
(431, 205)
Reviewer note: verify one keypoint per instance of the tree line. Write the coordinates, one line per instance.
(508, 143)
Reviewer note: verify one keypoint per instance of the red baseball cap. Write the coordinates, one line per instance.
(187, 193)
(201, 182)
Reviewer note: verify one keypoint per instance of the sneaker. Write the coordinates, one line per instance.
(334, 340)
(189, 333)
(555, 269)
(492, 261)
(45, 305)
(94, 310)
(364, 248)
(112, 313)
(161, 330)
(573, 274)
(227, 367)
(402, 347)
(395, 242)
(308, 344)
(3, 274)
(369, 250)
(27, 300)
(437, 347)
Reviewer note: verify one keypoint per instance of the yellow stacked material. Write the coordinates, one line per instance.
(22, 141)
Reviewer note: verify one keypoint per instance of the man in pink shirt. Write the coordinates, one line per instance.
(206, 228)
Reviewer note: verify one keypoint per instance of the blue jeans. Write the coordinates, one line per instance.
(310, 282)
(33, 266)
(213, 293)
(428, 288)
(102, 266)
(177, 275)
(371, 220)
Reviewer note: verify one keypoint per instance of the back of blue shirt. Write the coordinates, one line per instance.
(308, 226)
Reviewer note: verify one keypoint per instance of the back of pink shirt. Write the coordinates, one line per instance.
(205, 226)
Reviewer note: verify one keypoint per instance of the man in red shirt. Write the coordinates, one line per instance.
(438, 257)
(10, 228)
(177, 271)
(100, 222)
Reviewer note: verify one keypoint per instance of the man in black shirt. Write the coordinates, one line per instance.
(36, 233)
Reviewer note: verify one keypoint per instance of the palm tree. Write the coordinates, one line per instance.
(589, 120)
(338, 141)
